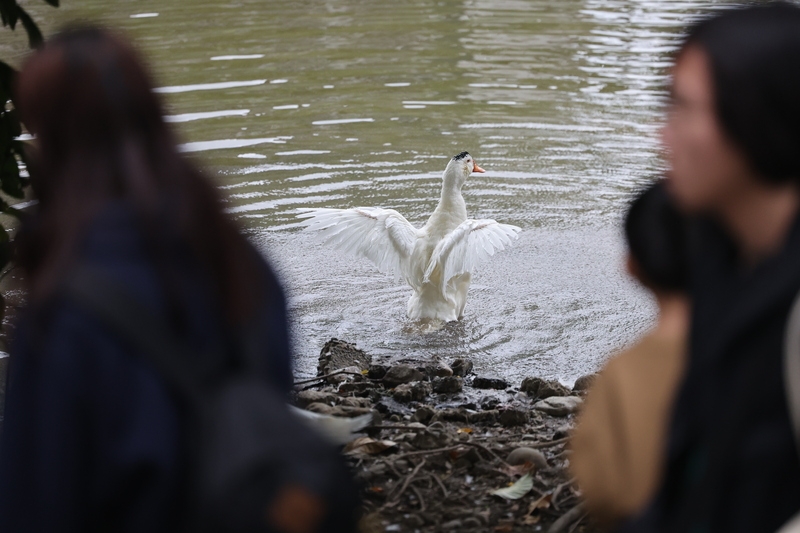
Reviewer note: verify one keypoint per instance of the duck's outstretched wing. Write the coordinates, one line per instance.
(465, 247)
(383, 236)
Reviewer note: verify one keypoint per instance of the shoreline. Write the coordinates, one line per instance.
(443, 440)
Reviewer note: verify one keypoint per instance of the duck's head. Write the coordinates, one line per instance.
(460, 167)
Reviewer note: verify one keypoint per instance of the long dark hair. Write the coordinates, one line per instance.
(101, 137)
(657, 240)
(755, 66)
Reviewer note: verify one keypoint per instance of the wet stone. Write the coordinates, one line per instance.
(361, 388)
(461, 367)
(423, 414)
(583, 383)
(513, 417)
(441, 370)
(489, 383)
(399, 374)
(411, 392)
(429, 440)
(450, 415)
(484, 417)
(377, 371)
(448, 385)
(540, 389)
(337, 354)
(353, 401)
(320, 408)
(306, 397)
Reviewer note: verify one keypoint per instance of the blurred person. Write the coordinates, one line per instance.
(732, 142)
(618, 444)
(93, 438)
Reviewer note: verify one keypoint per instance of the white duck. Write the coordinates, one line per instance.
(437, 260)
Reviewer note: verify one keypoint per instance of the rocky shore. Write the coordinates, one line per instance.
(448, 450)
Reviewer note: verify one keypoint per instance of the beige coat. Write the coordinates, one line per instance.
(619, 442)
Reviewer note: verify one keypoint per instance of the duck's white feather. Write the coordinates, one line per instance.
(461, 250)
(383, 236)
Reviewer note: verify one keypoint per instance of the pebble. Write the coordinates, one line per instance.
(442, 371)
(559, 405)
(461, 367)
(377, 371)
(520, 456)
(429, 440)
(307, 397)
(583, 383)
(484, 417)
(448, 385)
(489, 383)
(423, 414)
(399, 374)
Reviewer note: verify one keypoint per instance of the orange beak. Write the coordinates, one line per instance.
(476, 168)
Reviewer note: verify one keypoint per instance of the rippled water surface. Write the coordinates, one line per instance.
(361, 103)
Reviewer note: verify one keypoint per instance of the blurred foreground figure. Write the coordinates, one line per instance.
(732, 139)
(619, 442)
(150, 370)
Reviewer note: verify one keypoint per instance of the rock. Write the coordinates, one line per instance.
(484, 417)
(306, 397)
(450, 415)
(489, 383)
(513, 417)
(353, 401)
(520, 456)
(349, 412)
(562, 431)
(361, 388)
(583, 383)
(559, 405)
(338, 354)
(423, 414)
(490, 402)
(538, 388)
(321, 408)
(441, 371)
(377, 371)
(411, 392)
(399, 374)
(350, 373)
(461, 367)
(448, 385)
(429, 440)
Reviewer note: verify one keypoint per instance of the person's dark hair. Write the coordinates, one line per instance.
(101, 137)
(754, 53)
(656, 235)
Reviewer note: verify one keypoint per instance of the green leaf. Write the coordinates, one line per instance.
(35, 38)
(516, 491)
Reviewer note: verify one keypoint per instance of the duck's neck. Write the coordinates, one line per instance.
(451, 202)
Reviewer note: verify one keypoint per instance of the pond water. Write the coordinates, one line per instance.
(346, 103)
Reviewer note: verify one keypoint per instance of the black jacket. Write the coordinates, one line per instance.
(92, 438)
(732, 461)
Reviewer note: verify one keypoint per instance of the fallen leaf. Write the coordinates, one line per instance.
(464, 430)
(516, 491)
(541, 503)
(530, 520)
(369, 446)
(364, 372)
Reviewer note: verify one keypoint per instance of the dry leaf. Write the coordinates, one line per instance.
(541, 503)
(369, 446)
(516, 491)
(464, 430)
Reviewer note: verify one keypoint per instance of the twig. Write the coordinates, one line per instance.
(445, 494)
(557, 492)
(566, 520)
(426, 452)
(326, 376)
(576, 524)
(546, 444)
(487, 450)
(405, 484)
(419, 498)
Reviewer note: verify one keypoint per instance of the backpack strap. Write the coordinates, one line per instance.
(119, 310)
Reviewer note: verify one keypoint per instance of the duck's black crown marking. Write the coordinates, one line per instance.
(460, 156)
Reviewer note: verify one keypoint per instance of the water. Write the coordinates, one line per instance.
(346, 103)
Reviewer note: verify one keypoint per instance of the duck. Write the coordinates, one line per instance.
(437, 261)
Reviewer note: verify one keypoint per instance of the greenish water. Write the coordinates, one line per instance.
(347, 103)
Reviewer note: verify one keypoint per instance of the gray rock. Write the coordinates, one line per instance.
(490, 402)
(423, 414)
(538, 388)
(377, 371)
(441, 370)
(489, 383)
(461, 367)
(321, 408)
(559, 405)
(338, 354)
(353, 401)
(520, 456)
(411, 392)
(448, 385)
(429, 440)
(484, 417)
(349, 374)
(562, 431)
(583, 383)
(513, 417)
(450, 415)
(306, 397)
(399, 374)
